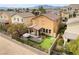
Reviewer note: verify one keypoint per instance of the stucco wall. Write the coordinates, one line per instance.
(27, 21)
(46, 23)
(5, 16)
(16, 21)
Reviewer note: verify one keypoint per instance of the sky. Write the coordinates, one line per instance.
(27, 5)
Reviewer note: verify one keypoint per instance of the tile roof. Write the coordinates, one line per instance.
(35, 27)
(71, 36)
(73, 20)
(72, 31)
(24, 15)
(52, 15)
(8, 13)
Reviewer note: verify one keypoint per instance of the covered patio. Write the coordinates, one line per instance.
(35, 30)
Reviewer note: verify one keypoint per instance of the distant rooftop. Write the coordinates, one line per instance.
(54, 15)
(24, 15)
(73, 20)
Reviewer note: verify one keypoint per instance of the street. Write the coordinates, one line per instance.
(9, 47)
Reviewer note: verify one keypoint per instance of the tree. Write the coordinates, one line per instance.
(70, 15)
(74, 14)
(35, 12)
(23, 9)
(10, 9)
(4, 26)
(17, 30)
(61, 25)
(62, 29)
(42, 9)
(27, 9)
(73, 47)
(60, 42)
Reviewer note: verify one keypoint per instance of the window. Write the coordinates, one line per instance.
(46, 30)
(43, 30)
(49, 31)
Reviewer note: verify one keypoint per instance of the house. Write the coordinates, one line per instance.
(23, 18)
(73, 20)
(72, 31)
(46, 24)
(65, 14)
(5, 17)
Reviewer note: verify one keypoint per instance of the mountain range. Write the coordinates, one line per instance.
(47, 6)
(37, 6)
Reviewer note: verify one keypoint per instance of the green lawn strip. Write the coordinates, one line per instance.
(46, 44)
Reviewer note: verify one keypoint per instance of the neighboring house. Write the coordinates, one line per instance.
(23, 18)
(65, 14)
(5, 17)
(73, 20)
(77, 12)
(72, 31)
(46, 24)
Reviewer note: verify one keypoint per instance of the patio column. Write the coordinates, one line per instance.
(37, 33)
(28, 30)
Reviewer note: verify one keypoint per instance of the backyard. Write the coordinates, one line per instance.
(44, 45)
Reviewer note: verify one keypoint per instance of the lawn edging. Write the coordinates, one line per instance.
(53, 45)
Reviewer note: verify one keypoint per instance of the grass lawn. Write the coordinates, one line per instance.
(46, 44)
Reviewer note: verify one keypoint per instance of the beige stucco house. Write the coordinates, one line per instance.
(5, 17)
(65, 14)
(45, 24)
(23, 18)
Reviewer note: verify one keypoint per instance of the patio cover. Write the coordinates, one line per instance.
(35, 27)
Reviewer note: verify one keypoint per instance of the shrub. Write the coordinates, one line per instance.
(60, 42)
(59, 49)
(73, 47)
